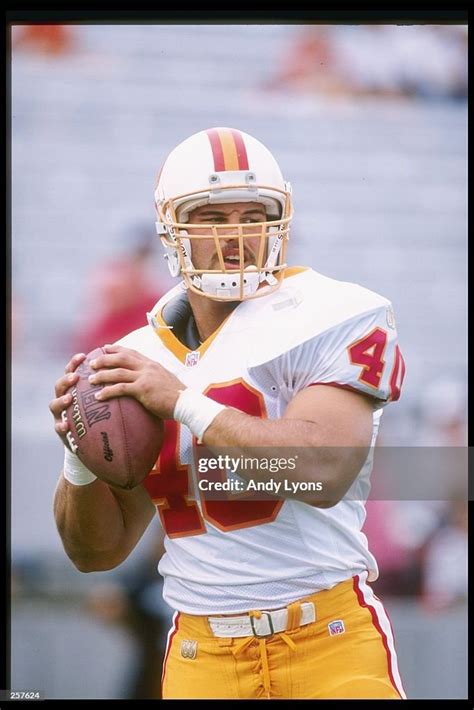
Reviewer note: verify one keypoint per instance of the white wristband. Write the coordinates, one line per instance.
(74, 470)
(196, 411)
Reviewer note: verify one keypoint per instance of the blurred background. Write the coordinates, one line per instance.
(368, 122)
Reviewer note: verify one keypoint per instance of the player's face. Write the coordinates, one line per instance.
(204, 251)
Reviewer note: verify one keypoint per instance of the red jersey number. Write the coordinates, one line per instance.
(169, 486)
(369, 352)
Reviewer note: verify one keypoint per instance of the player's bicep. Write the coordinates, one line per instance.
(343, 418)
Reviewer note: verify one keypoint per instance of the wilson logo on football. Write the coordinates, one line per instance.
(76, 415)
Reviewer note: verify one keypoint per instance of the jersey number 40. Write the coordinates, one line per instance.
(169, 482)
(368, 352)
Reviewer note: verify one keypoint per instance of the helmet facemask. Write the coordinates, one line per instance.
(224, 283)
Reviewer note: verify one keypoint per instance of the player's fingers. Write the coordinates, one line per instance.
(121, 349)
(74, 362)
(123, 359)
(57, 405)
(117, 374)
(118, 390)
(64, 383)
(132, 355)
(61, 427)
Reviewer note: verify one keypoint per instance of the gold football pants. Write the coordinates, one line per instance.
(348, 652)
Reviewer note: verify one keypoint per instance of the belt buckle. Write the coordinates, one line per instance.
(270, 625)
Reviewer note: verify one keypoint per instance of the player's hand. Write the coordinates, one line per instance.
(63, 398)
(122, 371)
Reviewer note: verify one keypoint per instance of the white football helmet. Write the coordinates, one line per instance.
(216, 166)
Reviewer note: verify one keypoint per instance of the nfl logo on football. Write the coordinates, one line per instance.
(192, 359)
(336, 627)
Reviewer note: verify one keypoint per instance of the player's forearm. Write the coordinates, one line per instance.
(320, 458)
(95, 522)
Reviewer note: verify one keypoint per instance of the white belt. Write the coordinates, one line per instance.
(271, 622)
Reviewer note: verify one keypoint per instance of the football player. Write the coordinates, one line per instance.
(272, 592)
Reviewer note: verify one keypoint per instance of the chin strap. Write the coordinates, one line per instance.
(276, 244)
(227, 286)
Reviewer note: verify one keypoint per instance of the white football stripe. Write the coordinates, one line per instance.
(171, 633)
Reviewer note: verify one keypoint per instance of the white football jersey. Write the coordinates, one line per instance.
(235, 555)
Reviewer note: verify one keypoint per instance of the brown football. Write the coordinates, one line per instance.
(118, 440)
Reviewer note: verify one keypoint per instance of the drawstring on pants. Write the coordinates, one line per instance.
(244, 643)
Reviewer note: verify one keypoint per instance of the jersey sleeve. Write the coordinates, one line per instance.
(361, 354)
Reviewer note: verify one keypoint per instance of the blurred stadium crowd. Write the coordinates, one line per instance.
(377, 60)
(421, 546)
(352, 60)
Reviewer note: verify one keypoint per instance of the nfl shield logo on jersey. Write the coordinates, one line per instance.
(192, 359)
(336, 627)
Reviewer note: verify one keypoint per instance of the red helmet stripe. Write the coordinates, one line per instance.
(241, 150)
(216, 146)
(228, 149)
